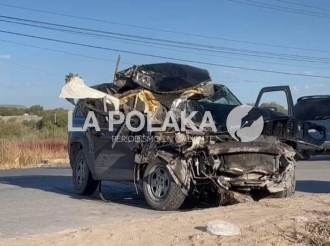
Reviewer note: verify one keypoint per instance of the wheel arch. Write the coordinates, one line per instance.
(73, 150)
(74, 146)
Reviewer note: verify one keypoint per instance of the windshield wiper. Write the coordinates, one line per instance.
(322, 117)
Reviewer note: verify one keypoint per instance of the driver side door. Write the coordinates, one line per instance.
(272, 103)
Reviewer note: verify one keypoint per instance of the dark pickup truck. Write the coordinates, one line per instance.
(314, 109)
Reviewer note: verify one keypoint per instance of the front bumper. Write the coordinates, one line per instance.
(324, 147)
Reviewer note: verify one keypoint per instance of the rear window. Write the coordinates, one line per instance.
(311, 109)
(77, 112)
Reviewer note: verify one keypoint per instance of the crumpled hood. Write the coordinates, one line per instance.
(162, 78)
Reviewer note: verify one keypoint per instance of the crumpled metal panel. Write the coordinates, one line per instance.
(163, 77)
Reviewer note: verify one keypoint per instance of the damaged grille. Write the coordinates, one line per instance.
(283, 129)
(248, 162)
(294, 130)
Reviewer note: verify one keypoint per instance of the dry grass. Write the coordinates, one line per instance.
(18, 153)
(318, 233)
(314, 233)
(24, 146)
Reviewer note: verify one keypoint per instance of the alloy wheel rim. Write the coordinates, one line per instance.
(80, 172)
(159, 182)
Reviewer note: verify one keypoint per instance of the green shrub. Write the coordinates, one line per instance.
(14, 130)
(11, 120)
(11, 111)
(30, 123)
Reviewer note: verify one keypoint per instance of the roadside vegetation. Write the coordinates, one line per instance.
(280, 108)
(27, 143)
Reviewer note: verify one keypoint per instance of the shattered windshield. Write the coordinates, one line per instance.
(313, 109)
(219, 104)
(222, 96)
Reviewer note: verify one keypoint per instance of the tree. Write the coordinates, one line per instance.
(12, 111)
(36, 109)
(56, 118)
(69, 77)
(280, 108)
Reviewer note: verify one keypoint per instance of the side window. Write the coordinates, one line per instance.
(77, 113)
(274, 100)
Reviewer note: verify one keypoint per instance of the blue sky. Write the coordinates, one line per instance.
(41, 84)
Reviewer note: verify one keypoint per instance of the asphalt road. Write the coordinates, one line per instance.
(37, 201)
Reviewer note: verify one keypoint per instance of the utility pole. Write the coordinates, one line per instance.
(116, 69)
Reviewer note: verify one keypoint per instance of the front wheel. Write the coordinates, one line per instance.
(160, 190)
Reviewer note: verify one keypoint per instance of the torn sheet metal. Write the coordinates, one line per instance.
(76, 89)
(162, 78)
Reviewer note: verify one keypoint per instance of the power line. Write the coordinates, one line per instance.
(303, 5)
(280, 8)
(155, 39)
(242, 80)
(163, 57)
(114, 61)
(184, 51)
(107, 60)
(158, 29)
(48, 72)
(25, 66)
(291, 9)
(64, 52)
(173, 43)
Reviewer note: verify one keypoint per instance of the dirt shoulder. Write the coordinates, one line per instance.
(269, 222)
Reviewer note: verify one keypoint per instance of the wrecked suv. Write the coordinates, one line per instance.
(204, 165)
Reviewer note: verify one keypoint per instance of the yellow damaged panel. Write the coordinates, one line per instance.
(127, 98)
(190, 93)
(150, 102)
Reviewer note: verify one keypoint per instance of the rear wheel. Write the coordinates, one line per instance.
(160, 190)
(82, 179)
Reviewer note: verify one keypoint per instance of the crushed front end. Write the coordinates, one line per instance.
(208, 165)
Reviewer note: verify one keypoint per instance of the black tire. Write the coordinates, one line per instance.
(307, 156)
(169, 196)
(82, 179)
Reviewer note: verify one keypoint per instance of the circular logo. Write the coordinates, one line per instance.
(243, 125)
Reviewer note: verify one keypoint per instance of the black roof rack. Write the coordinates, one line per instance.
(313, 97)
